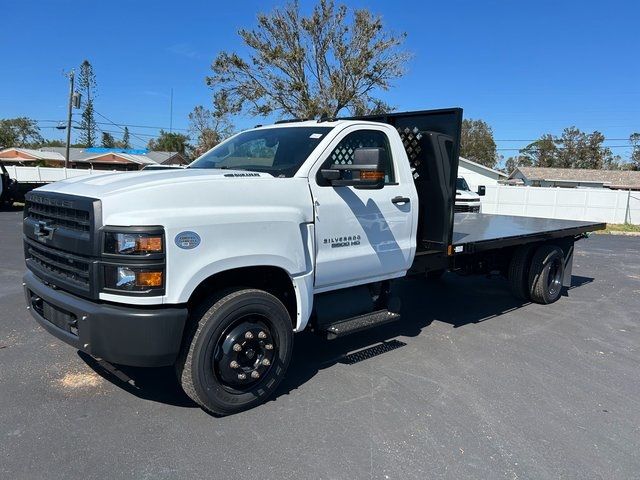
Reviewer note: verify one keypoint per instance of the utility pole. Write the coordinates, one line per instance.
(66, 156)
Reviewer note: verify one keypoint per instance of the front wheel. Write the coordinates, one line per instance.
(237, 351)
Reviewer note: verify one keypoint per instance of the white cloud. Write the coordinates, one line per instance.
(184, 49)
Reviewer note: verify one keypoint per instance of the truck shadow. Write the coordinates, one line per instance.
(155, 384)
(423, 303)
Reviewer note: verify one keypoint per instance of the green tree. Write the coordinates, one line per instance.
(87, 86)
(170, 142)
(19, 132)
(126, 141)
(634, 138)
(306, 66)
(583, 150)
(477, 143)
(108, 141)
(573, 149)
(541, 153)
(210, 127)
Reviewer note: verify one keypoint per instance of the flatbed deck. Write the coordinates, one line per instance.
(473, 232)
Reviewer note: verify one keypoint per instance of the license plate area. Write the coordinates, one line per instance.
(62, 319)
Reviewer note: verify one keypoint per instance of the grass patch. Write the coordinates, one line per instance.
(621, 227)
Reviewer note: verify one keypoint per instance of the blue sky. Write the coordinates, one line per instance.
(527, 68)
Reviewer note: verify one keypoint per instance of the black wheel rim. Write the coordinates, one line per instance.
(245, 353)
(554, 279)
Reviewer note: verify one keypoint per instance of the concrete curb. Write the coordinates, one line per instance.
(615, 232)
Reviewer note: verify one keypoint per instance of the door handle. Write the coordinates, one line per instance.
(401, 200)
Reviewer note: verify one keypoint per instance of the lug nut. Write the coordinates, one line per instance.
(242, 376)
(237, 347)
(234, 364)
(248, 335)
(261, 334)
(255, 374)
(268, 346)
(266, 362)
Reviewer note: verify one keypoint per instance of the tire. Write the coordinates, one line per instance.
(546, 274)
(205, 367)
(518, 274)
(434, 275)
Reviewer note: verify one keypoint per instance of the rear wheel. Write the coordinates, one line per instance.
(518, 274)
(237, 351)
(546, 274)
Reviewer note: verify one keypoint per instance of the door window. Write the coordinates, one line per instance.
(343, 153)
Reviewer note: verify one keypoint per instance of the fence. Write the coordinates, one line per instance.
(47, 174)
(590, 204)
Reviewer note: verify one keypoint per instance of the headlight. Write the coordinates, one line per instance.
(133, 243)
(133, 260)
(133, 279)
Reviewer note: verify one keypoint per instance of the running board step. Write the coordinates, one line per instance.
(359, 323)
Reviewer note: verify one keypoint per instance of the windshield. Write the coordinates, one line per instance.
(277, 151)
(461, 184)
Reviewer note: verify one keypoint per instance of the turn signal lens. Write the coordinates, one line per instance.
(133, 243)
(149, 244)
(148, 279)
(371, 175)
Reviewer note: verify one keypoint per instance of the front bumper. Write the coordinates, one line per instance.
(136, 336)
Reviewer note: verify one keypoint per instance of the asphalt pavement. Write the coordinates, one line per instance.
(470, 384)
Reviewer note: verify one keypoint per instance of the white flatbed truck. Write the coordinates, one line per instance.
(279, 228)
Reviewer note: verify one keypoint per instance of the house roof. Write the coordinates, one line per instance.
(623, 179)
(161, 157)
(86, 155)
(476, 164)
(129, 157)
(37, 154)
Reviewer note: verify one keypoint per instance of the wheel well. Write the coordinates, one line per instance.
(274, 280)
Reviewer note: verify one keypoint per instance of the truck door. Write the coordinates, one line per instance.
(362, 235)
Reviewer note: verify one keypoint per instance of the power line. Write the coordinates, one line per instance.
(565, 148)
(126, 125)
(121, 128)
(536, 139)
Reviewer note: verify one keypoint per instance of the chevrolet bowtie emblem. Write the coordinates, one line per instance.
(43, 231)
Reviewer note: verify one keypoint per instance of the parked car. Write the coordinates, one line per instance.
(8, 187)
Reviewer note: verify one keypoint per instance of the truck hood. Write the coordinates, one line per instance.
(104, 185)
(467, 195)
(188, 198)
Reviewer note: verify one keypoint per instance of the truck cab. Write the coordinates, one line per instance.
(466, 200)
(280, 228)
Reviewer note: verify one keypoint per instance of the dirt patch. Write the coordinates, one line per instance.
(80, 381)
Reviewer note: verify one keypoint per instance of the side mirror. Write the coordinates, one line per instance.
(366, 171)
(482, 190)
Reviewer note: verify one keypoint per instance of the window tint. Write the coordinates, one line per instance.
(344, 151)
